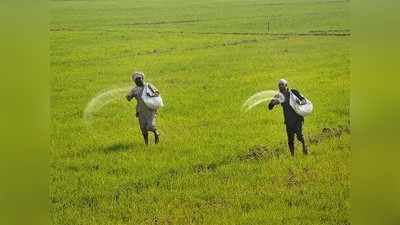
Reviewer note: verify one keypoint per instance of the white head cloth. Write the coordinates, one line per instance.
(137, 74)
(283, 81)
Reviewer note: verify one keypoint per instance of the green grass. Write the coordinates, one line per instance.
(206, 57)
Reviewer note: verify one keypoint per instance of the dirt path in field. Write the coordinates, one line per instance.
(274, 36)
(310, 33)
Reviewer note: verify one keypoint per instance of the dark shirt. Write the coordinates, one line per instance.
(291, 117)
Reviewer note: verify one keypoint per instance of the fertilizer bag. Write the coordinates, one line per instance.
(303, 108)
(151, 99)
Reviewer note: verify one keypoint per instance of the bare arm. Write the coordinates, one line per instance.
(154, 90)
(298, 95)
(130, 95)
(272, 103)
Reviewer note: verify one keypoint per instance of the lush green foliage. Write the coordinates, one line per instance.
(215, 164)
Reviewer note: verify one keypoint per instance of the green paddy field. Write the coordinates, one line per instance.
(215, 164)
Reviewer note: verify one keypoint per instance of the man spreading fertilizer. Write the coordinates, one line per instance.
(290, 101)
(148, 101)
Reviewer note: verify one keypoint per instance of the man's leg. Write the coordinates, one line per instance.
(156, 137)
(290, 135)
(152, 127)
(146, 137)
(143, 129)
(300, 137)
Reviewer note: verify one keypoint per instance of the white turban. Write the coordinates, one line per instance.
(137, 74)
(283, 81)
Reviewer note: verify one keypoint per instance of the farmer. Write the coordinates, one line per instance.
(145, 115)
(293, 121)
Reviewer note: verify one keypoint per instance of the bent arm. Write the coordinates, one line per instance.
(297, 94)
(130, 95)
(154, 89)
(272, 103)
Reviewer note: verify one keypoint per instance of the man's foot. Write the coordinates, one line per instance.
(305, 149)
(156, 137)
(146, 139)
(291, 148)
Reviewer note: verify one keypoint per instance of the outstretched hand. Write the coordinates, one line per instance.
(275, 101)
